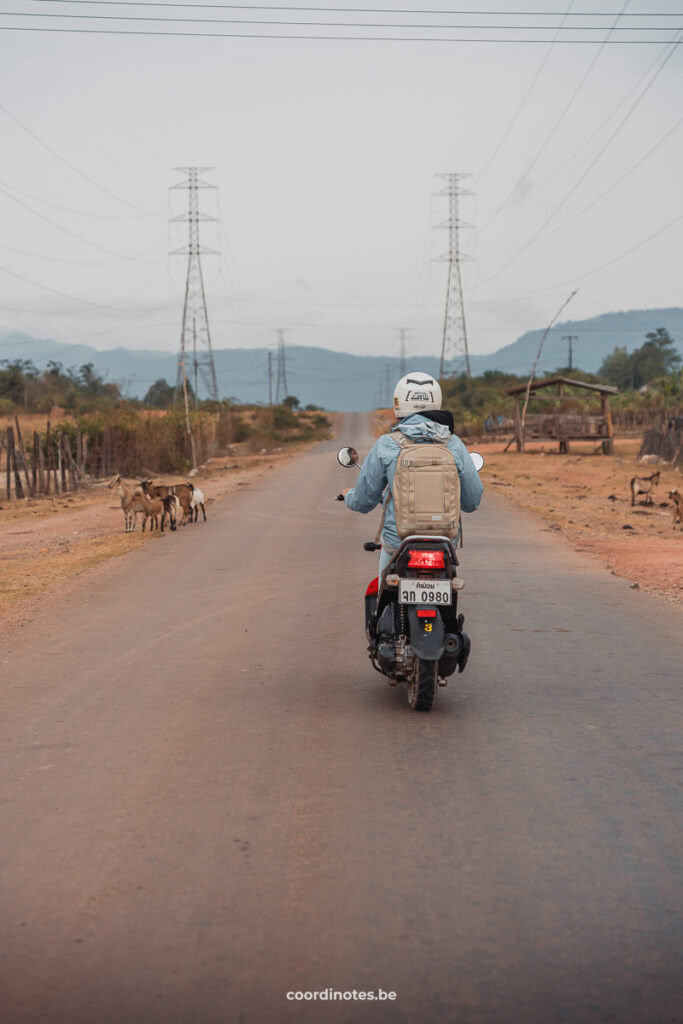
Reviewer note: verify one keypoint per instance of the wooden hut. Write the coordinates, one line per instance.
(561, 426)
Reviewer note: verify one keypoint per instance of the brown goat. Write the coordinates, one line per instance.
(155, 509)
(183, 492)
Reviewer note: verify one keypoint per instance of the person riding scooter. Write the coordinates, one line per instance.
(417, 407)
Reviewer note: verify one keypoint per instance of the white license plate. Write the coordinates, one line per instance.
(427, 592)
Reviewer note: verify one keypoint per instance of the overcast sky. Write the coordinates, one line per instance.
(325, 156)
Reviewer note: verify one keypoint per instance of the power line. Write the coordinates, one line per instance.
(590, 167)
(68, 163)
(556, 124)
(523, 102)
(70, 209)
(73, 234)
(318, 38)
(364, 10)
(332, 24)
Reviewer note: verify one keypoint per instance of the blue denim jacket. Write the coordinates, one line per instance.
(380, 465)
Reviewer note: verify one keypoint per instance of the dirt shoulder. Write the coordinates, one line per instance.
(47, 542)
(585, 497)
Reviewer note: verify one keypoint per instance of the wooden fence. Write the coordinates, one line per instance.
(55, 462)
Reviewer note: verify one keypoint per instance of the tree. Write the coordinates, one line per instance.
(617, 368)
(291, 401)
(161, 394)
(656, 358)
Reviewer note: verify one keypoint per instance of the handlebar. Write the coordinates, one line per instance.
(340, 497)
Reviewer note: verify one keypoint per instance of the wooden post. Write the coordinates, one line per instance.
(34, 474)
(41, 467)
(518, 425)
(8, 468)
(48, 451)
(60, 462)
(69, 460)
(11, 457)
(22, 457)
(79, 448)
(608, 420)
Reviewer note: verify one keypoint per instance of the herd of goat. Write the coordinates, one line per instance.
(183, 501)
(154, 502)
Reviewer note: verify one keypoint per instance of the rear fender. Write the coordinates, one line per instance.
(427, 635)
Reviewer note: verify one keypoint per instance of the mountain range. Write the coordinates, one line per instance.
(339, 380)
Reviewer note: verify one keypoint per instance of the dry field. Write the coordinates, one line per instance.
(572, 494)
(47, 542)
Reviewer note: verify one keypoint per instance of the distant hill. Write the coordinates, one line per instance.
(338, 380)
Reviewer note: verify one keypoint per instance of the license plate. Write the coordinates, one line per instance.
(427, 592)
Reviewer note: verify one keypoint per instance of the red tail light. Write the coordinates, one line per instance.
(426, 613)
(426, 560)
(373, 587)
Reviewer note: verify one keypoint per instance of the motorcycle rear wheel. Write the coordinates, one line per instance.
(423, 686)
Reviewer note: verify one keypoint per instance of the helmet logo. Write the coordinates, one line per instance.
(396, 403)
(411, 380)
(419, 396)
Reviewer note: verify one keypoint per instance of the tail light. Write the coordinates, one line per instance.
(426, 560)
(373, 587)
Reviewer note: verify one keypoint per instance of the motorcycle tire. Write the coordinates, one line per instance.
(423, 686)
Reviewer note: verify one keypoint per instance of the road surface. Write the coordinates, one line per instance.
(210, 799)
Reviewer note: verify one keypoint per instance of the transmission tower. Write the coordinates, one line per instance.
(402, 343)
(454, 348)
(281, 389)
(195, 359)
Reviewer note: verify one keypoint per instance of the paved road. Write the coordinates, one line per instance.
(210, 799)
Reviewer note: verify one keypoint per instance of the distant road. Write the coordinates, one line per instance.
(210, 799)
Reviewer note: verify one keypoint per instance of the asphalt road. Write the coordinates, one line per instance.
(210, 799)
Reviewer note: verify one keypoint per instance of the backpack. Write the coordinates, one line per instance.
(426, 489)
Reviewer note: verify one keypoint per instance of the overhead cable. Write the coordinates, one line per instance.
(68, 163)
(591, 165)
(316, 38)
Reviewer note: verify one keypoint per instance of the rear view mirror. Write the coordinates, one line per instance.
(347, 457)
(478, 461)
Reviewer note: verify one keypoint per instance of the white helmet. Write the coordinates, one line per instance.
(416, 392)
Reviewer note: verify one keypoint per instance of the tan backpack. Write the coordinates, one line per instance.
(426, 489)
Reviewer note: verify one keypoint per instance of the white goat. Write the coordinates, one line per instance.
(196, 503)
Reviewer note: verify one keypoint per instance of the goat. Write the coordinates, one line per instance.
(156, 509)
(182, 491)
(677, 499)
(644, 485)
(125, 493)
(197, 503)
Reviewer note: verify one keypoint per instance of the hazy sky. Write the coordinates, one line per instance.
(325, 157)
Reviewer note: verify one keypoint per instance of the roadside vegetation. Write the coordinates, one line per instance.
(129, 436)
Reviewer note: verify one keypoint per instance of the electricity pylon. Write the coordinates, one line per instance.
(281, 390)
(196, 354)
(454, 339)
(402, 344)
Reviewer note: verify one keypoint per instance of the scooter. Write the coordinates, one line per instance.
(414, 630)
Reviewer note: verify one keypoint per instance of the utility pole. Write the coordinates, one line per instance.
(281, 389)
(570, 338)
(195, 315)
(402, 339)
(454, 347)
(270, 378)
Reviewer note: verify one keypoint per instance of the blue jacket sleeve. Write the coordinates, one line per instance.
(372, 480)
(471, 487)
